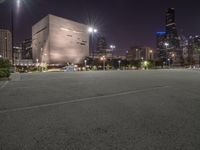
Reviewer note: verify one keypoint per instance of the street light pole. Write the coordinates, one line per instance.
(12, 30)
(6, 51)
(112, 47)
(85, 64)
(13, 4)
(92, 31)
(169, 62)
(119, 64)
(199, 60)
(166, 46)
(151, 53)
(37, 60)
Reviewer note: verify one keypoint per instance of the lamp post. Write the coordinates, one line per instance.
(127, 52)
(173, 58)
(37, 60)
(199, 60)
(6, 51)
(103, 58)
(151, 52)
(169, 62)
(112, 47)
(12, 31)
(45, 58)
(145, 65)
(85, 61)
(119, 62)
(92, 31)
(18, 2)
(166, 46)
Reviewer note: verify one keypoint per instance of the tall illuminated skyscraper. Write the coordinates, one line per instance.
(170, 23)
(171, 29)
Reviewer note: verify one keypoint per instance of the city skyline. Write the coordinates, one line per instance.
(136, 23)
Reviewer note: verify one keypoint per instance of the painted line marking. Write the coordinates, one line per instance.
(4, 85)
(81, 100)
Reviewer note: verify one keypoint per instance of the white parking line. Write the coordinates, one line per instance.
(4, 84)
(82, 99)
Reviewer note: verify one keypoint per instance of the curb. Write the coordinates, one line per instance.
(15, 77)
(4, 79)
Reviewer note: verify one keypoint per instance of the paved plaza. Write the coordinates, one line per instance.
(113, 110)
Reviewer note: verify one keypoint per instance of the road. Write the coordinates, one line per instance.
(116, 110)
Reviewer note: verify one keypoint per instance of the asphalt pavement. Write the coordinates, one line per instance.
(113, 110)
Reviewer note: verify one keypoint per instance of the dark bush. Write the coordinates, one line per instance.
(4, 68)
(4, 72)
(4, 63)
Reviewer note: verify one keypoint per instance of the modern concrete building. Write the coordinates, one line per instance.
(5, 44)
(56, 40)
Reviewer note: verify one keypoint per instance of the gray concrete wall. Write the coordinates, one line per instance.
(40, 37)
(60, 41)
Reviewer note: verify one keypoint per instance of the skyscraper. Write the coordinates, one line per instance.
(168, 42)
(170, 23)
(171, 30)
(161, 47)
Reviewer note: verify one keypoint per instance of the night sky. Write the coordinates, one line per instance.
(123, 22)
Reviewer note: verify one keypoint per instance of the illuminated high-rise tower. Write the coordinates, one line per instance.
(171, 23)
(171, 30)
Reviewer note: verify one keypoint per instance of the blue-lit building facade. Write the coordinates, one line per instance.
(168, 41)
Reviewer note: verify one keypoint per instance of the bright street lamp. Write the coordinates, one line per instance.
(92, 31)
(18, 3)
(112, 47)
